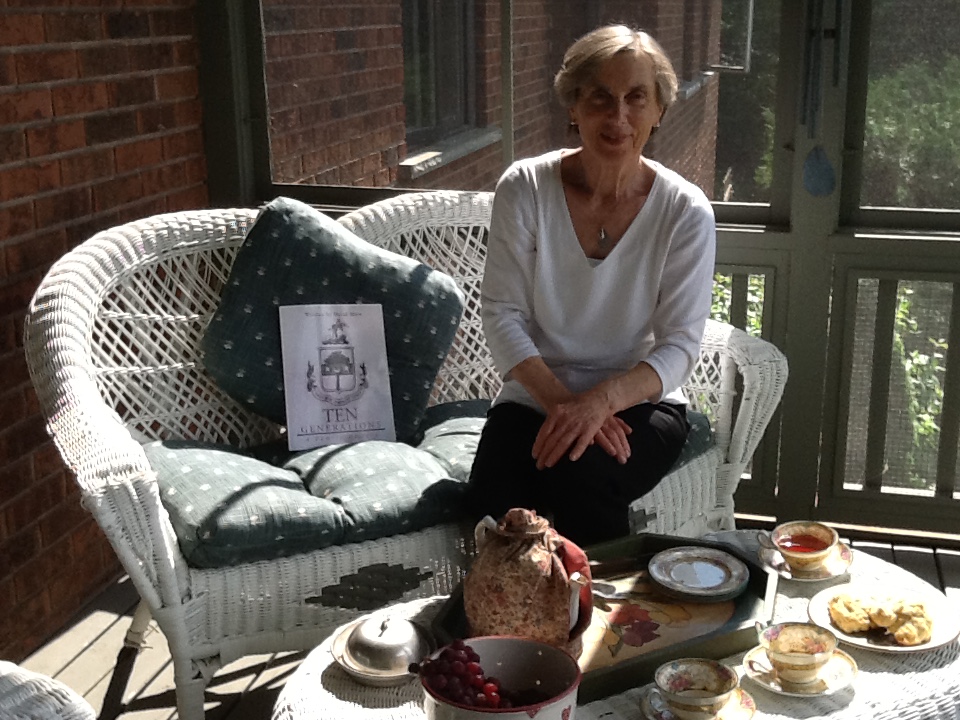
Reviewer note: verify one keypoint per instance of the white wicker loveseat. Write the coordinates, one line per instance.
(112, 338)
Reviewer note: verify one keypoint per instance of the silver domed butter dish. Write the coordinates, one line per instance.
(379, 651)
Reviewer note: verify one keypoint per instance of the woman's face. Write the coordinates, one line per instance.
(616, 112)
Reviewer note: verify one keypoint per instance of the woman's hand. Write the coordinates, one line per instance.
(576, 423)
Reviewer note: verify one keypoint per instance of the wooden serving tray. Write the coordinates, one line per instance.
(635, 627)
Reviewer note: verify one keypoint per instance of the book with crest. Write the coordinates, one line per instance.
(336, 379)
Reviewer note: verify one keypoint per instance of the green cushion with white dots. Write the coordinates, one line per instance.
(296, 255)
(451, 432)
(229, 507)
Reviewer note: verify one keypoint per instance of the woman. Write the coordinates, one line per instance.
(594, 299)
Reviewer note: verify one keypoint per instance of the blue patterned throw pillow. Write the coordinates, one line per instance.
(296, 255)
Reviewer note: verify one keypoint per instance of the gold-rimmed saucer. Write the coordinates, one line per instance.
(740, 706)
(836, 564)
(836, 675)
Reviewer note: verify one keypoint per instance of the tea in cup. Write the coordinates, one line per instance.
(804, 545)
(798, 651)
(695, 688)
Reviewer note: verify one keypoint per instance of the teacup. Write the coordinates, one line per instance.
(804, 545)
(695, 688)
(798, 651)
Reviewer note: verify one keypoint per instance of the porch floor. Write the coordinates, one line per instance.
(87, 654)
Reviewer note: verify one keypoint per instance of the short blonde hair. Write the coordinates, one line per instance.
(582, 59)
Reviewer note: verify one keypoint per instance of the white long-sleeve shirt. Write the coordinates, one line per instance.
(648, 300)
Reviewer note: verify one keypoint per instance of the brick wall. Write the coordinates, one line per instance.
(99, 124)
(335, 90)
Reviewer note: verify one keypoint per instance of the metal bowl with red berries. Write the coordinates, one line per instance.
(513, 678)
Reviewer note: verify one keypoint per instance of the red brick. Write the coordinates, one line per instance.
(8, 70)
(176, 85)
(152, 56)
(13, 146)
(172, 23)
(188, 113)
(86, 537)
(183, 144)
(28, 180)
(140, 154)
(72, 27)
(47, 461)
(10, 331)
(104, 60)
(185, 53)
(46, 66)
(19, 550)
(24, 106)
(13, 410)
(156, 119)
(189, 199)
(80, 98)
(59, 208)
(60, 521)
(8, 597)
(25, 510)
(15, 478)
(93, 165)
(55, 138)
(21, 29)
(20, 616)
(35, 574)
(132, 91)
(14, 297)
(116, 192)
(166, 177)
(127, 24)
(16, 220)
(109, 128)
(39, 252)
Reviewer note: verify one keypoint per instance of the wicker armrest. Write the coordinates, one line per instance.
(763, 369)
(60, 334)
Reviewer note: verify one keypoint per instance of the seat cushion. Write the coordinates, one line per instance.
(229, 507)
(296, 255)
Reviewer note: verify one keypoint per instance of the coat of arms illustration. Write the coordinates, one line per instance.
(342, 378)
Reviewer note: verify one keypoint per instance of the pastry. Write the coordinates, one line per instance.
(908, 622)
(848, 614)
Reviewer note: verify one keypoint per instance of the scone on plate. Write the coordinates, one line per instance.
(908, 622)
(849, 614)
(912, 625)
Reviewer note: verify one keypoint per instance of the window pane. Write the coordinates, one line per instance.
(410, 94)
(747, 96)
(912, 137)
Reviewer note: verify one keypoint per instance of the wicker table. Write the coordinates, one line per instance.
(915, 685)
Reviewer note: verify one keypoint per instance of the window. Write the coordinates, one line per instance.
(438, 72)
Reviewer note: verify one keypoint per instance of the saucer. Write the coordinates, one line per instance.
(836, 564)
(700, 574)
(740, 706)
(836, 675)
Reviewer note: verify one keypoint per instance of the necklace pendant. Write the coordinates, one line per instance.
(604, 241)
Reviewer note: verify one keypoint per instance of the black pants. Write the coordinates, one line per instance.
(589, 498)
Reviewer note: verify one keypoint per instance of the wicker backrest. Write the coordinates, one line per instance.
(447, 230)
(129, 307)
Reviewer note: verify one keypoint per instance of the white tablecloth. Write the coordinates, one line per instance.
(890, 686)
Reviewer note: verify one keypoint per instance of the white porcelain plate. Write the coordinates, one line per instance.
(699, 573)
(740, 706)
(946, 620)
(836, 564)
(835, 675)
